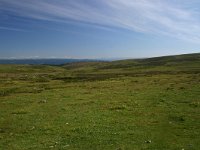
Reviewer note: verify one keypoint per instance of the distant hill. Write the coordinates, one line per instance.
(102, 64)
(41, 61)
(176, 60)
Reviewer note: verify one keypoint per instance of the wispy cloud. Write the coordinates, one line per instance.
(12, 29)
(174, 18)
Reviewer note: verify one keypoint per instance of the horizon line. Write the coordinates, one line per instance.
(100, 58)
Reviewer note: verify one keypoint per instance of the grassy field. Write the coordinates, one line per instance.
(144, 104)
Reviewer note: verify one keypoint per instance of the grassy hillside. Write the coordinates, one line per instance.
(129, 104)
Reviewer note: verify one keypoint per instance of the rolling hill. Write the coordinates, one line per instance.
(151, 103)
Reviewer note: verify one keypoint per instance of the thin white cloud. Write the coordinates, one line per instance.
(173, 18)
(11, 29)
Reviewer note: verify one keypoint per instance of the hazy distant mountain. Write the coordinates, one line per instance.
(42, 61)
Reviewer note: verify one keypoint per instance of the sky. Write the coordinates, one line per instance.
(98, 28)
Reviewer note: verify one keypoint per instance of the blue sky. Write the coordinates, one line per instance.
(98, 28)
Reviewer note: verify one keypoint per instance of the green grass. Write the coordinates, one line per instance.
(151, 104)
